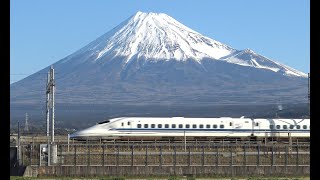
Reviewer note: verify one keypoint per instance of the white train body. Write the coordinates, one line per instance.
(195, 127)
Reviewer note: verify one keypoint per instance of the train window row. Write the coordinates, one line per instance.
(180, 126)
(288, 127)
(208, 126)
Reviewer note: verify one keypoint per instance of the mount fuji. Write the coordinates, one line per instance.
(152, 59)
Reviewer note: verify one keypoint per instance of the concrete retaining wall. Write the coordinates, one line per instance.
(167, 171)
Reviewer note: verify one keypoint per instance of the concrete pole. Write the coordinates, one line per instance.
(68, 141)
(309, 93)
(19, 149)
(185, 141)
(53, 153)
(26, 126)
(52, 86)
(290, 141)
(48, 116)
(49, 154)
(53, 149)
(48, 99)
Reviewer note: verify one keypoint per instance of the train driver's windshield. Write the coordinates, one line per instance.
(104, 122)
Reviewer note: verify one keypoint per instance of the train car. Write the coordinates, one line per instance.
(137, 128)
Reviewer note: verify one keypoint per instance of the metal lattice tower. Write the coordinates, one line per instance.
(26, 125)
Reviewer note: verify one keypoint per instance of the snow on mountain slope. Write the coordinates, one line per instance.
(249, 58)
(155, 36)
(159, 37)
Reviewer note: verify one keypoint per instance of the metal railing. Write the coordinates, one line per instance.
(174, 154)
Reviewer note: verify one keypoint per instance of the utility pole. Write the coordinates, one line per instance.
(26, 126)
(50, 102)
(19, 149)
(50, 105)
(309, 93)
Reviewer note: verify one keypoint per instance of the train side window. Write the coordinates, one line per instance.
(173, 126)
(166, 126)
(187, 125)
(230, 124)
(153, 125)
(159, 125)
(201, 126)
(215, 126)
(208, 126)
(257, 124)
(291, 126)
(180, 126)
(285, 127)
(122, 124)
(145, 125)
(128, 123)
(271, 126)
(298, 126)
(221, 126)
(278, 126)
(194, 126)
(304, 126)
(139, 125)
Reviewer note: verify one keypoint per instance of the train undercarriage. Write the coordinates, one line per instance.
(190, 139)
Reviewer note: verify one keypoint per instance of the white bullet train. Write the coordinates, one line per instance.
(139, 128)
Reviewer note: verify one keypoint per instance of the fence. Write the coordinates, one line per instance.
(162, 155)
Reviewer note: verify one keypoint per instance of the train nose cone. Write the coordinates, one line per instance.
(74, 135)
(85, 133)
(80, 135)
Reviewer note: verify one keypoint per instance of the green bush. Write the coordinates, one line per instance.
(173, 178)
(191, 178)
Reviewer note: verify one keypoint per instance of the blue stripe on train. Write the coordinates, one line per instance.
(216, 130)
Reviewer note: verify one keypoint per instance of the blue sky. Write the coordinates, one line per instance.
(45, 31)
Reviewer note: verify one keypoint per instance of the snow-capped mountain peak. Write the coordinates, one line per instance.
(159, 37)
(155, 36)
(247, 50)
